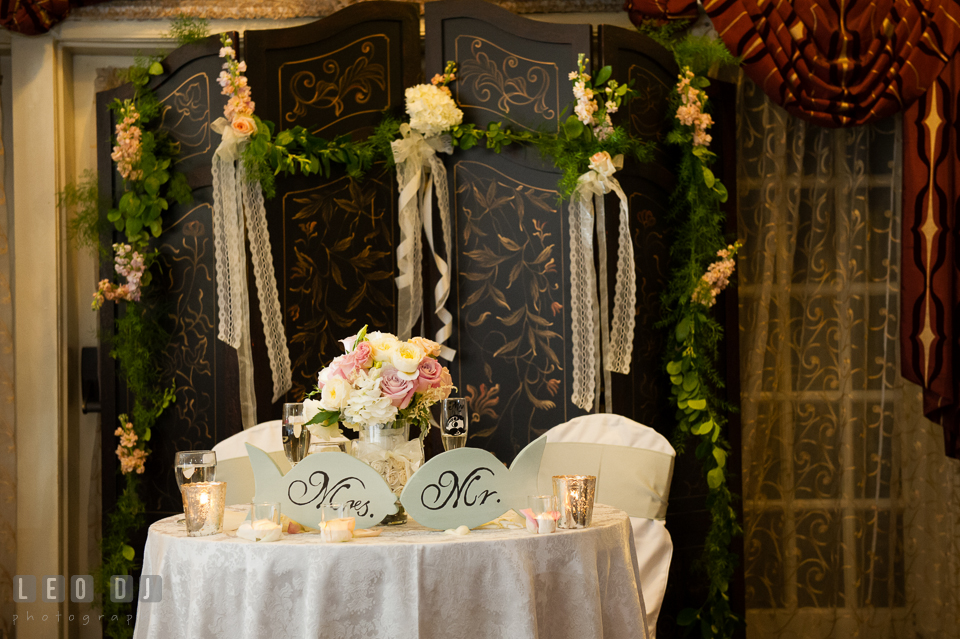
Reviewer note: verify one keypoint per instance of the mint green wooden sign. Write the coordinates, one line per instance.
(469, 486)
(324, 478)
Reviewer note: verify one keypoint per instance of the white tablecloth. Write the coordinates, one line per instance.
(409, 582)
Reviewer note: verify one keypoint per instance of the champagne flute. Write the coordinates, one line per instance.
(193, 466)
(296, 436)
(454, 421)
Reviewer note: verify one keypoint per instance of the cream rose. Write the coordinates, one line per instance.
(429, 346)
(244, 125)
(335, 394)
(383, 345)
(602, 163)
(406, 358)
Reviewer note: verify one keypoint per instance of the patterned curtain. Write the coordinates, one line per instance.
(8, 443)
(930, 335)
(851, 509)
(833, 64)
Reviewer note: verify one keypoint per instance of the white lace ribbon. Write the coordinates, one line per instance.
(238, 204)
(419, 173)
(586, 205)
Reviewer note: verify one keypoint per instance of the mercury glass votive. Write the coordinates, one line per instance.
(203, 504)
(575, 495)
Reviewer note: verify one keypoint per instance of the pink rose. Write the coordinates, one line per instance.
(363, 354)
(338, 368)
(398, 390)
(430, 372)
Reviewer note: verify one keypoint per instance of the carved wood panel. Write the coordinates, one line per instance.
(510, 296)
(184, 291)
(333, 239)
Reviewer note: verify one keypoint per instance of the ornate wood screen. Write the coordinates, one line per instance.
(204, 369)
(333, 239)
(510, 297)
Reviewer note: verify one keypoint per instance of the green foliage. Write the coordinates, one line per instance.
(702, 53)
(139, 339)
(667, 34)
(692, 352)
(297, 150)
(122, 521)
(187, 30)
(81, 201)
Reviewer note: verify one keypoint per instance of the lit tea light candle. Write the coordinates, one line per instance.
(203, 505)
(337, 530)
(259, 530)
(546, 523)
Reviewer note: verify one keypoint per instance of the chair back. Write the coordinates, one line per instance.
(633, 465)
(233, 464)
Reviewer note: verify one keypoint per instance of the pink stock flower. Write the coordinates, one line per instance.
(398, 390)
(430, 373)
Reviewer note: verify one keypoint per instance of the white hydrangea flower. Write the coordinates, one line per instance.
(431, 110)
(366, 405)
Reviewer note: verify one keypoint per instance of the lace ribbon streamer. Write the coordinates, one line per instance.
(588, 310)
(238, 204)
(420, 173)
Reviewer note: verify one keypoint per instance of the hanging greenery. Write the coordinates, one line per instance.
(297, 150)
(144, 156)
(694, 334)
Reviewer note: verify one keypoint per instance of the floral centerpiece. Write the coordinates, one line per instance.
(378, 388)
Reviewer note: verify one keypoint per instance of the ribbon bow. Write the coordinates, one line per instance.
(417, 164)
(237, 200)
(587, 312)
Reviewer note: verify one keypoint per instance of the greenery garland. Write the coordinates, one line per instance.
(297, 150)
(694, 334)
(144, 156)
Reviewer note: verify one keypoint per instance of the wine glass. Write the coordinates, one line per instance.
(296, 436)
(193, 466)
(453, 422)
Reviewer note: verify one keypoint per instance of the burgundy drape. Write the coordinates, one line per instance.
(930, 275)
(844, 64)
(33, 17)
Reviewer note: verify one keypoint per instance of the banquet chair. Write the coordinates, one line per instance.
(633, 465)
(233, 464)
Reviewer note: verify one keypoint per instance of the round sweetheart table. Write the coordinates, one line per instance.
(407, 583)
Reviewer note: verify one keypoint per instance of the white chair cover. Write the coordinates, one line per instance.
(233, 464)
(636, 481)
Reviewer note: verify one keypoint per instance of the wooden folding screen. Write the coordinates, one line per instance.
(203, 368)
(510, 297)
(334, 240)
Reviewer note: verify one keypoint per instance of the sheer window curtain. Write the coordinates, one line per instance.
(851, 509)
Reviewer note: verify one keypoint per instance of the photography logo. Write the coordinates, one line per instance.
(53, 589)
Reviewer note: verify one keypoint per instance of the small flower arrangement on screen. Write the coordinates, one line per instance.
(132, 266)
(378, 380)
(431, 107)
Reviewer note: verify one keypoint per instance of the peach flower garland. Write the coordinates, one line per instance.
(690, 112)
(132, 456)
(379, 380)
(239, 109)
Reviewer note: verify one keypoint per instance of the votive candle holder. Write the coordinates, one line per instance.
(575, 497)
(203, 505)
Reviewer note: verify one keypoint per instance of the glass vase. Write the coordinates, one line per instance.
(387, 448)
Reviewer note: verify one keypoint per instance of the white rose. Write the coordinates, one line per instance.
(310, 409)
(383, 345)
(406, 358)
(335, 394)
